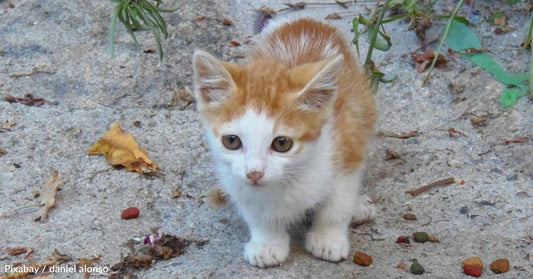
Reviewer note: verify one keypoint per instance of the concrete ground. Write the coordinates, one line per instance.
(62, 46)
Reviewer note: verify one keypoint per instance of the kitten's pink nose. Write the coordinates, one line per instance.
(254, 176)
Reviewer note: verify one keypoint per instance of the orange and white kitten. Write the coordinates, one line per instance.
(288, 132)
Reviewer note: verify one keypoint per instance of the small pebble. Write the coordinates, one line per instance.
(421, 237)
(464, 210)
(409, 216)
(433, 239)
(500, 266)
(417, 268)
(362, 259)
(130, 213)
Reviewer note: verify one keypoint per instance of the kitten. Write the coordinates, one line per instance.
(288, 132)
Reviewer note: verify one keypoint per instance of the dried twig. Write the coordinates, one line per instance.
(391, 155)
(452, 132)
(372, 237)
(34, 72)
(517, 140)
(399, 136)
(422, 189)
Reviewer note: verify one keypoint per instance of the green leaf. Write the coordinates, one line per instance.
(461, 38)
(383, 42)
(485, 61)
(356, 33)
(509, 97)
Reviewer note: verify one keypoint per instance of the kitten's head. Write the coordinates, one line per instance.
(263, 119)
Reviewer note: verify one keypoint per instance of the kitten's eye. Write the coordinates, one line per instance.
(231, 142)
(281, 144)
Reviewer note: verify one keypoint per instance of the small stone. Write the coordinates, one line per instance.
(402, 266)
(464, 210)
(403, 239)
(433, 239)
(500, 266)
(417, 268)
(473, 261)
(472, 270)
(176, 194)
(409, 216)
(523, 194)
(227, 22)
(362, 259)
(130, 213)
(421, 237)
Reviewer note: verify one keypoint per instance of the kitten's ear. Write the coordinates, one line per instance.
(213, 79)
(322, 87)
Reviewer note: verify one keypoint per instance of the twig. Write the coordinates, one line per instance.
(399, 136)
(372, 237)
(448, 26)
(428, 222)
(452, 132)
(31, 74)
(422, 189)
(517, 140)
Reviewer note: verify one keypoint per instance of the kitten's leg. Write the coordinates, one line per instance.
(328, 237)
(268, 246)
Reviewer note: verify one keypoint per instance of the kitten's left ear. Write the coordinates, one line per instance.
(322, 89)
(213, 79)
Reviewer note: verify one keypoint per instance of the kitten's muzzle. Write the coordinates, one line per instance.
(254, 176)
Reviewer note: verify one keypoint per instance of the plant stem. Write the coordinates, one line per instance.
(448, 26)
(373, 36)
(112, 27)
(530, 35)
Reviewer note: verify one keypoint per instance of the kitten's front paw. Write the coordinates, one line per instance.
(330, 247)
(365, 211)
(267, 254)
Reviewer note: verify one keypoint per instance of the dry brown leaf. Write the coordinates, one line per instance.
(120, 148)
(227, 22)
(176, 194)
(28, 100)
(505, 29)
(48, 196)
(333, 16)
(423, 60)
(501, 20)
(88, 262)
(16, 250)
(7, 126)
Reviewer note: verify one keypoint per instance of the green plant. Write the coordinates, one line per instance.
(420, 14)
(525, 45)
(444, 36)
(373, 24)
(139, 15)
(456, 34)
